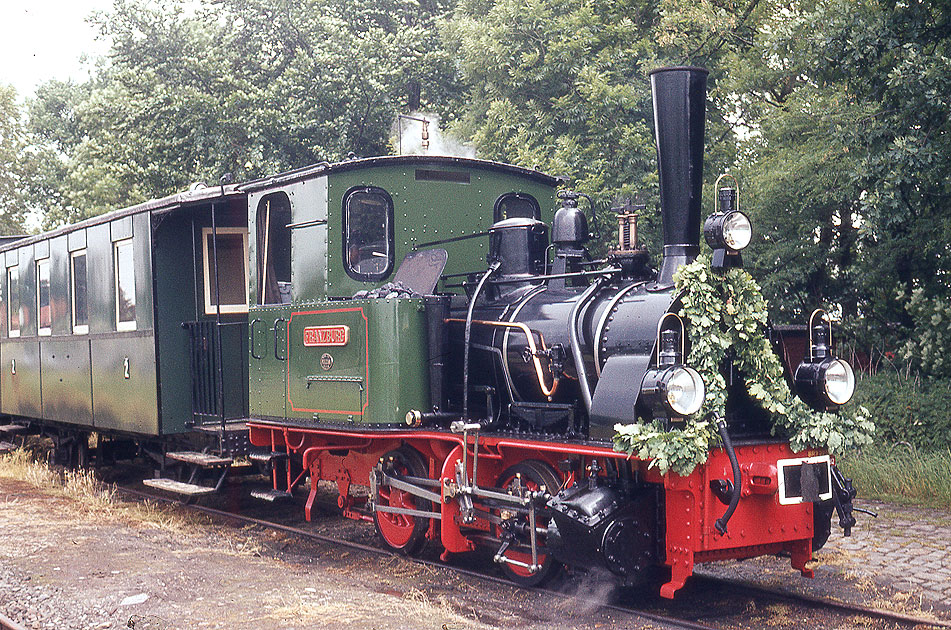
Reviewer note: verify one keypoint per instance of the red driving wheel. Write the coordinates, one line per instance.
(531, 475)
(403, 533)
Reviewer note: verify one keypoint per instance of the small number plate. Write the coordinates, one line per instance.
(804, 479)
(323, 336)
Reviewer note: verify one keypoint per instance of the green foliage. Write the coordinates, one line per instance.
(849, 162)
(680, 450)
(726, 311)
(908, 409)
(929, 349)
(901, 474)
(250, 87)
(562, 85)
(13, 171)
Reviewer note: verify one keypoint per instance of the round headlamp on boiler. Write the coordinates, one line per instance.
(672, 390)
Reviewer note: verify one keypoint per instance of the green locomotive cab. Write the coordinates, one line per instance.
(321, 350)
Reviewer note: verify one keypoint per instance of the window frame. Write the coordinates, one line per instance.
(265, 248)
(13, 272)
(390, 229)
(207, 270)
(43, 331)
(78, 329)
(497, 208)
(124, 325)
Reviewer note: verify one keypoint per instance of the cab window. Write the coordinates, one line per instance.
(368, 233)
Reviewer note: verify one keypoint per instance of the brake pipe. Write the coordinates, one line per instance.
(721, 522)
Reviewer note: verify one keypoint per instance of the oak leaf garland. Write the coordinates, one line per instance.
(726, 311)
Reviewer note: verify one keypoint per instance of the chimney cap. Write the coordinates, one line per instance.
(679, 68)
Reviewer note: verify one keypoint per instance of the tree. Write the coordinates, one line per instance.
(250, 87)
(12, 172)
(851, 162)
(562, 85)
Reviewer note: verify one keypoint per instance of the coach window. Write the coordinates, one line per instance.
(273, 241)
(77, 292)
(516, 205)
(368, 233)
(44, 315)
(13, 301)
(230, 248)
(125, 285)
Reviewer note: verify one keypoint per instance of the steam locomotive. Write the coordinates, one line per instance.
(475, 402)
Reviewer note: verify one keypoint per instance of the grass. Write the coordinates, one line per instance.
(81, 485)
(96, 498)
(902, 474)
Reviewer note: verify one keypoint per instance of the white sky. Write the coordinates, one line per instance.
(45, 39)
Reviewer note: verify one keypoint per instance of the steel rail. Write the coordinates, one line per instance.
(858, 609)
(653, 617)
(8, 624)
(855, 609)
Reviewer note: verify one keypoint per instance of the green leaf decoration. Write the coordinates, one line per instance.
(723, 311)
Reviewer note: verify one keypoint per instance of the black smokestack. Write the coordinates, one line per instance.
(680, 95)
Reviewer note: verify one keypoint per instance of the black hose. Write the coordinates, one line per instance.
(721, 523)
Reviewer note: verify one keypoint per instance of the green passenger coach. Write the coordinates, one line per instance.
(102, 322)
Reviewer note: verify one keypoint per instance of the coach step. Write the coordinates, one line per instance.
(202, 460)
(268, 457)
(179, 487)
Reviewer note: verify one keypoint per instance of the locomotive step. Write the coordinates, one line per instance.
(239, 425)
(179, 487)
(205, 460)
(6, 447)
(267, 458)
(271, 496)
(12, 429)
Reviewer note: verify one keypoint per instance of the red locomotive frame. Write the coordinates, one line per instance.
(759, 526)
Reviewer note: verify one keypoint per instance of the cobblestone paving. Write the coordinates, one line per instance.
(906, 548)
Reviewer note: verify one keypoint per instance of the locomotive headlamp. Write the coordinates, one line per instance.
(825, 384)
(731, 231)
(672, 390)
(727, 230)
(822, 380)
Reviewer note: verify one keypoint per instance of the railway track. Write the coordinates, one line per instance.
(806, 603)
(297, 531)
(845, 607)
(8, 624)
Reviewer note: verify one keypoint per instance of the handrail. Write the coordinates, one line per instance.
(548, 392)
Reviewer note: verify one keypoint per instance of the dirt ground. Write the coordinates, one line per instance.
(95, 564)
(64, 564)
